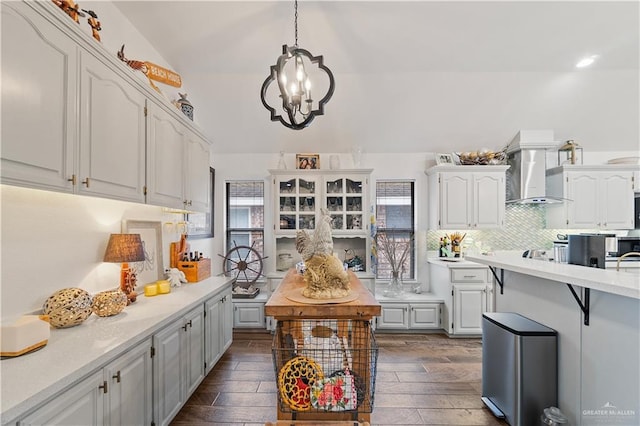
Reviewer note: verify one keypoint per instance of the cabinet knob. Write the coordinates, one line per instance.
(86, 182)
(117, 377)
(104, 387)
(72, 179)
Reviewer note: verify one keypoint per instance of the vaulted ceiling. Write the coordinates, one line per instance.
(410, 76)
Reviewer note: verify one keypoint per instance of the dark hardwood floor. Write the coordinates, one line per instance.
(422, 379)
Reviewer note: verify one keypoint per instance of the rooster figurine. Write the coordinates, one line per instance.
(324, 274)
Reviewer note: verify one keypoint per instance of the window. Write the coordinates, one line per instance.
(245, 223)
(395, 221)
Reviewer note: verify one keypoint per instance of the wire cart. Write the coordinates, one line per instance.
(324, 354)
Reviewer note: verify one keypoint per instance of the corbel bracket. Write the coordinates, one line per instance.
(500, 280)
(583, 306)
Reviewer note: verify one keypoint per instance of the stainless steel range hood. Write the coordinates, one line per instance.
(526, 178)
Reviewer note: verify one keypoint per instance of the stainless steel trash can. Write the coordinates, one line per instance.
(519, 367)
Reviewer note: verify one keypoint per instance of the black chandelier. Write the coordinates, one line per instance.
(294, 84)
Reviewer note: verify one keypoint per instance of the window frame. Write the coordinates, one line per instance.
(228, 231)
(413, 272)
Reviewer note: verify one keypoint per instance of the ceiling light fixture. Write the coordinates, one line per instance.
(585, 62)
(292, 71)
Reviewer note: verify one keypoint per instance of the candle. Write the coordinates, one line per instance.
(150, 290)
(164, 286)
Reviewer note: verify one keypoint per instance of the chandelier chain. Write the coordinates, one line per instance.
(295, 20)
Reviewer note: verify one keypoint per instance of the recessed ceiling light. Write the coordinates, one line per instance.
(585, 62)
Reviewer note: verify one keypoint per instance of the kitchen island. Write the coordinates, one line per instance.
(596, 313)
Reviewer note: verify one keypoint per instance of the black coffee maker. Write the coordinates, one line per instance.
(587, 250)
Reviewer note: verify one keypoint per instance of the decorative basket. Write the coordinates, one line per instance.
(68, 307)
(108, 303)
(482, 158)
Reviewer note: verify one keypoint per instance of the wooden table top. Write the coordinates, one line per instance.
(365, 306)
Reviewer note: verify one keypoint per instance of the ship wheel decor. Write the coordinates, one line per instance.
(244, 263)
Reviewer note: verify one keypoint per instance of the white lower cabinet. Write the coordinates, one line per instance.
(149, 381)
(118, 394)
(470, 301)
(248, 315)
(179, 364)
(83, 404)
(408, 316)
(219, 327)
(130, 392)
(467, 291)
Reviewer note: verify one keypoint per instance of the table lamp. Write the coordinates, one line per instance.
(124, 248)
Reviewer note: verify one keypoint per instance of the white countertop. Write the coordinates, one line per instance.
(463, 262)
(72, 353)
(609, 281)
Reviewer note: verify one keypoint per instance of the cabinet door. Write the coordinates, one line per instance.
(456, 199)
(165, 158)
(616, 200)
(83, 404)
(344, 198)
(112, 134)
(424, 315)
(469, 303)
(248, 315)
(212, 338)
(198, 190)
(394, 315)
(169, 385)
(488, 200)
(226, 320)
(39, 76)
(194, 349)
(297, 203)
(583, 210)
(130, 387)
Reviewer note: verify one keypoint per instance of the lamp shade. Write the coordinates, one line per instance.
(124, 248)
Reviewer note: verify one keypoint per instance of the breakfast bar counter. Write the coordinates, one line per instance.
(605, 280)
(596, 313)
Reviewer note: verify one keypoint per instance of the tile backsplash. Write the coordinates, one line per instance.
(524, 229)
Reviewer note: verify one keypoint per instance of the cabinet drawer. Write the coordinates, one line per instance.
(469, 275)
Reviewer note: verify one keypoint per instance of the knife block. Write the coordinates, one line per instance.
(195, 271)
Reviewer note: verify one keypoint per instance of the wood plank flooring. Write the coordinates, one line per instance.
(422, 379)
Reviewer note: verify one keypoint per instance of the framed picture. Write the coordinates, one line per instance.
(201, 224)
(444, 159)
(152, 268)
(308, 161)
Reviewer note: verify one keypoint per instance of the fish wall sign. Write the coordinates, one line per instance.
(152, 71)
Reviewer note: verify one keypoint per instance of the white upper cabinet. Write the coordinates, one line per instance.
(197, 179)
(166, 152)
(466, 197)
(74, 119)
(38, 101)
(112, 134)
(598, 197)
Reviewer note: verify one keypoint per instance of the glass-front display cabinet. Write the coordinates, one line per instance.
(298, 196)
(344, 199)
(297, 203)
